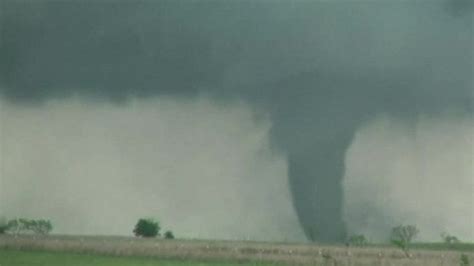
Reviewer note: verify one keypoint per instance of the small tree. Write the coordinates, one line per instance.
(14, 226)
(3, 226)
(147, 227)
(464, 260)
(41, 227)
(449, 239)
(402, 236)
(22, 225)
(357, 240)
(169, 235)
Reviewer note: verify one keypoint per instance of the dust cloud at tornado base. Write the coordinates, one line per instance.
(419, 173)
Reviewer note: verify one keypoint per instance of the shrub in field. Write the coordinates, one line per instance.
(18, 226)
(464, 260)
(357, 240)
(147, 227)
(402, 236)
(22, 225)
(3, 229)
(41, 227)
(449, 239)
(13, 226)
(169, 235)
(3, 226)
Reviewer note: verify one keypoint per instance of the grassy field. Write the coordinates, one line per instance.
(468, 247)
(91, 250)
(49, 258)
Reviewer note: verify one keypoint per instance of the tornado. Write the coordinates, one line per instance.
(318, 69)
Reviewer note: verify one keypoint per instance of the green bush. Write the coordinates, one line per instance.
(147, 227)
(169, 235)
(25, 226)
(3, 226)
(449, 239)
(357, 240)
(402, 236)
(464, 260)
(41, 227)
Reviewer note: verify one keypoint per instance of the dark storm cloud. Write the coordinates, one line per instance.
(318, 68)
(459, 7)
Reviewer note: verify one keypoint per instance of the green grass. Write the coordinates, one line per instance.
(434, 246)
(444, 246)
(41, 258)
